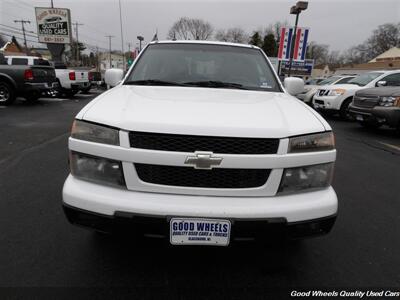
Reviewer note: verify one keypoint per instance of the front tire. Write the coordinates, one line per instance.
(7, 94)
(344, 110)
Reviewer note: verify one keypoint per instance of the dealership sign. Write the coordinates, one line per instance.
(53, 25)
(287, 43)
(300, 68)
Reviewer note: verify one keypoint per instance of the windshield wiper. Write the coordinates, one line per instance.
(152, 82)
(216, 84)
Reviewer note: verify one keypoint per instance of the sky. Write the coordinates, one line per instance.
(337, 23)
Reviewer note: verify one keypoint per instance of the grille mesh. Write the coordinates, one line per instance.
(190, 177)
(365, 101)
(192, 143)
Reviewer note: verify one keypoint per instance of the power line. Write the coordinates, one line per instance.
(18, 38)
(30, 31)
(18, 32)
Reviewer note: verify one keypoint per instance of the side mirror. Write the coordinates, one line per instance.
(381, 83)
(113, 77)
(294, 85)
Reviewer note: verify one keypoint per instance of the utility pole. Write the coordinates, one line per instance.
(52, 5)
(23, 31)
(77, 39)
(122, 37)
(97, 59)
(109, 41)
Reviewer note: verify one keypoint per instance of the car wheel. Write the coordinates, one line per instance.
(86, 90)
(344, 110)
(32, 97)
(69, 93)
(7, 94)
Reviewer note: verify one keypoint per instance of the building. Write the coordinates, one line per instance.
(12, 48)
(116, 61)
(388, 60)
(392, 54)
(323, 70)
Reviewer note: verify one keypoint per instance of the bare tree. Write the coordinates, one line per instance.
(233, 35)
(318, 52)
(190, 29)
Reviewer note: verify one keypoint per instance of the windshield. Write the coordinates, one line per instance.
(364, 79)
(329, 80)
(216, 66)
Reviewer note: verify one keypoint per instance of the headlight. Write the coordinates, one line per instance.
(313, 142)
(96, 169)
(337, 92)
(307, 177)
(389, 101)
(94, 133)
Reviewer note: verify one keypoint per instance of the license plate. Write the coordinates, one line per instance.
(359, 118)
(193, 231)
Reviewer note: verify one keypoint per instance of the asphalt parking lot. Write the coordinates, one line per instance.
(39, 248)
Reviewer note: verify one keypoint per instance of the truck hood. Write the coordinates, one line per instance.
(380, 91)
(203, 111)
(345, 86)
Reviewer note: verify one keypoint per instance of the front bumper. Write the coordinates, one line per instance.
(109, 202)
(140, 225)
(327, 102)
(380, 114)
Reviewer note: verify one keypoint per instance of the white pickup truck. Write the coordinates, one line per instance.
(200, 143)
(72, 80)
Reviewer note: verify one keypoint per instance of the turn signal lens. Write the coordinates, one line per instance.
(313, 142)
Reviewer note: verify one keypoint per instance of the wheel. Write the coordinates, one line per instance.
(32, 97)
(344, 110)
(69, 93)
(7, 93)
(86, 90)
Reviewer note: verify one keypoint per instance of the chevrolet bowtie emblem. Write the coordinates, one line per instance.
(203, 160)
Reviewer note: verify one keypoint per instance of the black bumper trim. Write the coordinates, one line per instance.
(143, 224)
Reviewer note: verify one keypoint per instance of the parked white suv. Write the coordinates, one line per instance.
(200, 143)
(337, 98)
(310, 91)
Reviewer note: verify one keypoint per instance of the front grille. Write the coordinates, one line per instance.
(323, 92)
(192, 143)
(366, 101)
(190, 177)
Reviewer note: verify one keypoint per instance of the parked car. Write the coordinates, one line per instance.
(337, 98)
(310, 91)
(28, 81)
(71, 80)
(379, 106)
(201, 144)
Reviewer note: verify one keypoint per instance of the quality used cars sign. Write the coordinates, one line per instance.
(54, 25)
